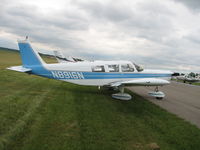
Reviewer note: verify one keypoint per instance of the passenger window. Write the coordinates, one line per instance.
(98, 69)
(113, 68)
(127, 68)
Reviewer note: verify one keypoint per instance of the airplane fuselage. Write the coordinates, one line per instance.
(83, 73)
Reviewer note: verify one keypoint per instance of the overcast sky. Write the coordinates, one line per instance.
(157, 34)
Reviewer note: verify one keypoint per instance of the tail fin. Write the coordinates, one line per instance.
(29, 56)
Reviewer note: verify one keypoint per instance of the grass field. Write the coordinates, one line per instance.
(43, 114)
(195, 83)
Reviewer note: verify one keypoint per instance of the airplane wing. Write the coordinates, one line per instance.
(19, 69)
(141, 82)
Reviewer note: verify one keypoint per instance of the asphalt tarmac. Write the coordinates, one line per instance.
(181, 99)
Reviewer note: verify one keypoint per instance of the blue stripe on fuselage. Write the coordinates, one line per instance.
(72, 75)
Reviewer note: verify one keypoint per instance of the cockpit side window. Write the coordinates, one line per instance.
(98, 69)
(113, 68)
(127, 68)
(138, 68)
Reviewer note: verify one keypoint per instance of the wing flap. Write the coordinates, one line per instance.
(19, 69)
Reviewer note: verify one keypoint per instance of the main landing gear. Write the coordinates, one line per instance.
(156, 93)
(121, 95)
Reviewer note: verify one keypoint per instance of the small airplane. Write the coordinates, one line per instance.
(111, 74)
(61, 58)
(187, 78)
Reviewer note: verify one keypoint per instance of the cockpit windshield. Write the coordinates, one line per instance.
(138, 68)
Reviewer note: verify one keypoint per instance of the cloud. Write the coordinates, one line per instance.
(162, 34)
(192, 4)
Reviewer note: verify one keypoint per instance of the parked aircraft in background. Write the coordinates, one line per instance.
(61, 58)
(114, 74)
(187, 78)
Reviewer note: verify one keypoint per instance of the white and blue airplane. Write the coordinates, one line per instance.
(112, 74)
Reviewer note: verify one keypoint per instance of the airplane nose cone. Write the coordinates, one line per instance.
(170, 72)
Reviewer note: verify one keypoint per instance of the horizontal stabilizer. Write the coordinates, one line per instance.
(19, 69)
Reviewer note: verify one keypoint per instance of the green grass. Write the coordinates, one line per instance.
(43, 114)
(196, 83)
(186, 82)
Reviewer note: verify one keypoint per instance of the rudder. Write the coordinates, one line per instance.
(28, 55)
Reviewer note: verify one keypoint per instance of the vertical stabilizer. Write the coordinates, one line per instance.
(29, 56)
